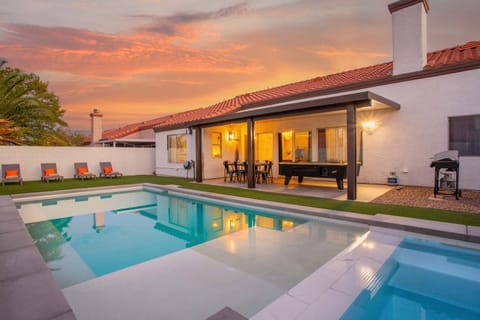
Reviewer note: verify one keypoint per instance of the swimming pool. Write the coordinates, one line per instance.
(422, 279)
(103, 247)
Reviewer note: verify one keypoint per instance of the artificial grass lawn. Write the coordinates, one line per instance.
(350, 206)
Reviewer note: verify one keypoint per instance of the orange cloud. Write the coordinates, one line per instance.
(331, 51)
(93, 54)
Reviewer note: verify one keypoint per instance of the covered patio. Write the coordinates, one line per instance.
(296, 131)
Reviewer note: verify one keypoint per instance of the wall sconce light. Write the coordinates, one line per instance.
(369, 126)
(287, 135)
(232, 136)
(189, 130)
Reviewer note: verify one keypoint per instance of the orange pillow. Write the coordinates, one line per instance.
(49, 172)
(11, 173)
(82, 170)
(107, 170)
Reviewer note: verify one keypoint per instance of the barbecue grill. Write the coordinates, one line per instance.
(447, 167)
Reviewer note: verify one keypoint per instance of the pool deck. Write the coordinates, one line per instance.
(27, 287)
(29, 291)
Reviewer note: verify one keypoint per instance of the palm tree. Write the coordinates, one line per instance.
(28, 106)
(8, 133)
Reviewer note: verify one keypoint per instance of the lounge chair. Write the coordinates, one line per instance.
(106, 171)
(49, 172)
(11, 173)
(81, 171)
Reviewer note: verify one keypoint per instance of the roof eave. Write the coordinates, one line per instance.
(360, 99)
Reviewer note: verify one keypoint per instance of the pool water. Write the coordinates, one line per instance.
(88, 236)
(423, 280)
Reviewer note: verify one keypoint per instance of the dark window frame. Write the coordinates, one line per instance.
(464, 135)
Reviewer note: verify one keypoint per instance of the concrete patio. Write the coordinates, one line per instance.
(311, 187)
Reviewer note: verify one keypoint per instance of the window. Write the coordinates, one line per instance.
(464, 135)
(301, 142)
(332, 145)
(177, 148)
(303, 146)
(216, 145)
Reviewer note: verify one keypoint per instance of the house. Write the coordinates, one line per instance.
(390, 117)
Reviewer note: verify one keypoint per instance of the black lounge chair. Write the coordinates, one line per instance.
(50, 173)
(11, 173)
(107, 171)
(81, 171)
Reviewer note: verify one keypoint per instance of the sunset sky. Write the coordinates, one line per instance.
(138, 60)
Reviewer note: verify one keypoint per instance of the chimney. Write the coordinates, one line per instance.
(409, 32)
(96, 126)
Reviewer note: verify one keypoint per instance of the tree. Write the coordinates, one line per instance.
(32, 113)
(8, 133)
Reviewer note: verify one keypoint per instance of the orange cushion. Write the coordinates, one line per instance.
(11, 173)
(107, 170)
(49, 172)
(82, 170)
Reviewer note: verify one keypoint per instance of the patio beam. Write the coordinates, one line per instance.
(198, 155)
(351, 152)
(251, 152)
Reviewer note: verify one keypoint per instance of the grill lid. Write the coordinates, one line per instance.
(444, 155)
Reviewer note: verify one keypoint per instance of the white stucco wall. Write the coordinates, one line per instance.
(129, 161)
(162, 166)
(403, 142)
(408, 138)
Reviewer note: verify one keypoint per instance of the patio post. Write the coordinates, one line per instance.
(251, 150)
(198, 155)
(351, 152)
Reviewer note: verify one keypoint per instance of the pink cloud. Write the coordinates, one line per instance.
(101, 55)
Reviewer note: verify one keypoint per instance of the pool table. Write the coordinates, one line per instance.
(338, 171)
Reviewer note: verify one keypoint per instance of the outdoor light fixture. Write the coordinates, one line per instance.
(369, 126)
(232, 136)
(287, 134)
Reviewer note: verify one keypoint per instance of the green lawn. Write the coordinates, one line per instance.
(351, 206)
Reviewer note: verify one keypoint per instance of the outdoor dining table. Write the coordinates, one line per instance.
(240, 167)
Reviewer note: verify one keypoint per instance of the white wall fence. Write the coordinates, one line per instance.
(129, 161)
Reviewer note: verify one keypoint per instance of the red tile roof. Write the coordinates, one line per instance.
(455, 55)
(118, 133)
(470, 51)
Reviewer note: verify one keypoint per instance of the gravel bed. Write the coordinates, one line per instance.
(423, 197)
